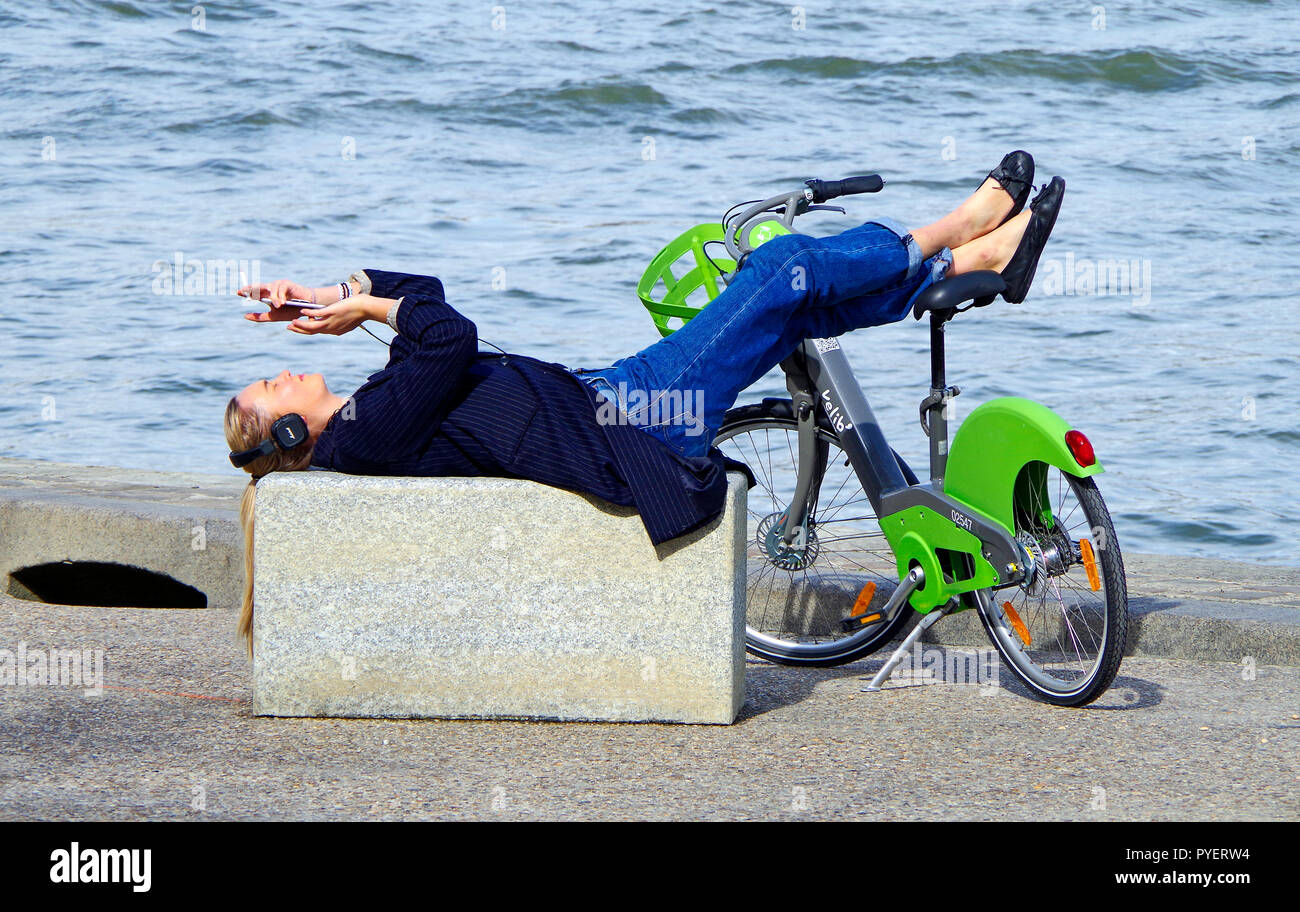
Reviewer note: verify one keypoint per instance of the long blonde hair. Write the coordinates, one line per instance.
(245, 429)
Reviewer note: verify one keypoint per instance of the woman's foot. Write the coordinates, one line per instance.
(1015, 175)
(1002, 195)
(997, 200)
(1013, 249)
(1019, 271)
(992, 251)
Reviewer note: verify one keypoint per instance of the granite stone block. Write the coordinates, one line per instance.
(490, 598)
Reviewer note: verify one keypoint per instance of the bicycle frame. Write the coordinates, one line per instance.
(960, 543)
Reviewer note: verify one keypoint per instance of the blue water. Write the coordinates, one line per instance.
(556, 153)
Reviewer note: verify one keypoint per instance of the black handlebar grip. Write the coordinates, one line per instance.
(828, 190)
(867, 183)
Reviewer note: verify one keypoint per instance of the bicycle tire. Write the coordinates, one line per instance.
(775, 644)
(1030, 663)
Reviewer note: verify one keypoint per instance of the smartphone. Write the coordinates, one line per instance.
(294, 302)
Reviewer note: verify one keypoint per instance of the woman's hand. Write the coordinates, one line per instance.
(277, 314)
(278, 291)
(335, 319)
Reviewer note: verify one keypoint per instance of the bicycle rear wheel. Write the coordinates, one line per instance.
(1063, 631)
(797, 600)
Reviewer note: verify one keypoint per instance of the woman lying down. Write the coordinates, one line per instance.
(637, 433)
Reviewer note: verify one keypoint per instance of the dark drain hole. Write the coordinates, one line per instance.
(103, 585)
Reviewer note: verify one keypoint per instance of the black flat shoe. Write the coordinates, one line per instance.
(1019, 272)
(1015, 174)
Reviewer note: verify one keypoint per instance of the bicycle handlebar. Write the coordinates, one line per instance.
(828, 190)
(790, 205)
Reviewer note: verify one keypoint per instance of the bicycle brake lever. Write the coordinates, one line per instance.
(840, 209)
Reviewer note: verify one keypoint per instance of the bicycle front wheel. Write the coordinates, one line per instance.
(1063, 631)
(798, 599)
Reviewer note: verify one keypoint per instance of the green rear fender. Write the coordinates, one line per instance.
(1000, 453)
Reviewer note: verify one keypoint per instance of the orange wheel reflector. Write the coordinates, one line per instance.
(864, 600)
(1021, 630)
(1090, 563)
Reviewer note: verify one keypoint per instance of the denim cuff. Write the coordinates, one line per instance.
(940, 263)
(914, 257)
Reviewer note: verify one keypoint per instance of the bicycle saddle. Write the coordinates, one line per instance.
(978, 287)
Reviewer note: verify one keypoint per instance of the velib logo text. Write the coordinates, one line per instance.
(653, 408)
(23, 667)
(833, 413)
(78, 865)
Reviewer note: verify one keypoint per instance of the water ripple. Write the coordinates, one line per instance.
(558, 152)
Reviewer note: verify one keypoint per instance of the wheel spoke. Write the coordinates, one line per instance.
(1073, 649)
(800, 610)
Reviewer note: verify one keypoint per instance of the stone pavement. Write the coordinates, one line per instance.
(172, 737)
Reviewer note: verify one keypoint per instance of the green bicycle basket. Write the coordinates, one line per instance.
(698, 279)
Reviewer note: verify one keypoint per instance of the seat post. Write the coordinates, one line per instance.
(934, 410)
(938, 355)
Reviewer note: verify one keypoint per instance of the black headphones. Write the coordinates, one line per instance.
(287, 432)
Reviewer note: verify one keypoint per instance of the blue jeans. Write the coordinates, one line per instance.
(792, 288)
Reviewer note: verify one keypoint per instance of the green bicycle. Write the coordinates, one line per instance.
(846, 545)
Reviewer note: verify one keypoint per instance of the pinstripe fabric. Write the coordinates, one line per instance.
(441, 407)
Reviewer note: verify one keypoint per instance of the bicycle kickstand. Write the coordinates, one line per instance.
(910, 584)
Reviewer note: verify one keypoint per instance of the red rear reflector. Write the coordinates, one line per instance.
(1080, 447)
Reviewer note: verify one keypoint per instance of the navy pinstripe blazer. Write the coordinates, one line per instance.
(441, 407)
